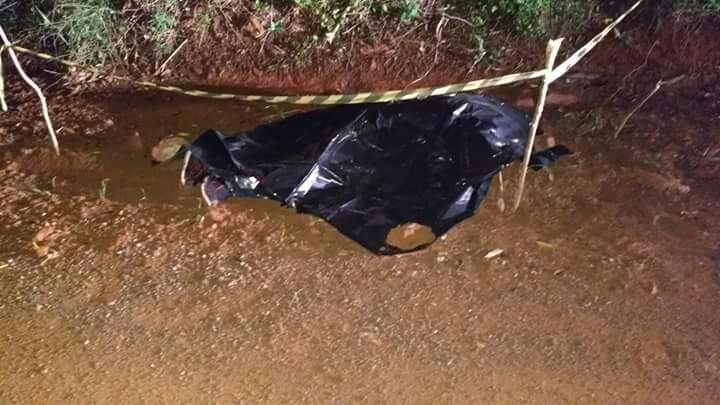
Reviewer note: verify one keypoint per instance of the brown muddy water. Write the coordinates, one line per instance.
(122, 152)
(606, 290)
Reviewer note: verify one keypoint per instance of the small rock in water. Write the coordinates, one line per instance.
(501, 204)
(410, 236)
(167, 148)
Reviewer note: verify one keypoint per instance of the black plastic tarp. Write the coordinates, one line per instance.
(369, 168)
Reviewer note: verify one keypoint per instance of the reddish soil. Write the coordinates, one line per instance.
(606, 291)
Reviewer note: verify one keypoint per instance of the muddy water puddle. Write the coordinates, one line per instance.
(141, 121)
(116, 163)
(121, 157)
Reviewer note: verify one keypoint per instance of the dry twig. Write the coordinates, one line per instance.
(438, 36)
(164, 65)
(31, 83)
(632, 72)
(645, 100)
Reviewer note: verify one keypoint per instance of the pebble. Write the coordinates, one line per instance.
(494, 253)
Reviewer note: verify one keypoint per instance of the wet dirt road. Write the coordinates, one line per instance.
(607, 290)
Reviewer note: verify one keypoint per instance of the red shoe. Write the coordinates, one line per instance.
(214, 190)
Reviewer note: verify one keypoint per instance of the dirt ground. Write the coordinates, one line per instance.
(118, 286)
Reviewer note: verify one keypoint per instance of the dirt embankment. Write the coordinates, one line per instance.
(663, 45)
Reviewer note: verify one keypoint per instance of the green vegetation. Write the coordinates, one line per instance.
(86, 28)
(163, 26)
(694, 6)
(97, 31)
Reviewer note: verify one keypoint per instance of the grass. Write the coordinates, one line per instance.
(87, 29)
(694, 6)
(102, 31)
(163, 25)
(103, 189)
(162, 31)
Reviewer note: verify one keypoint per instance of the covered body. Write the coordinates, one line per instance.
(368, 168)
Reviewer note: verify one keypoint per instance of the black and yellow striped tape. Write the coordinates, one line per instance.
(368, 97)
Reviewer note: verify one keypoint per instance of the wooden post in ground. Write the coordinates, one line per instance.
(3, 104)
(551, 52)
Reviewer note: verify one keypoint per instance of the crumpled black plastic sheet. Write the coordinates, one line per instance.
(369, 168)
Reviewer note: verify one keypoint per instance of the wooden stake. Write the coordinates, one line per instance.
(3, 104)
(551, 52)
(31, 83)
